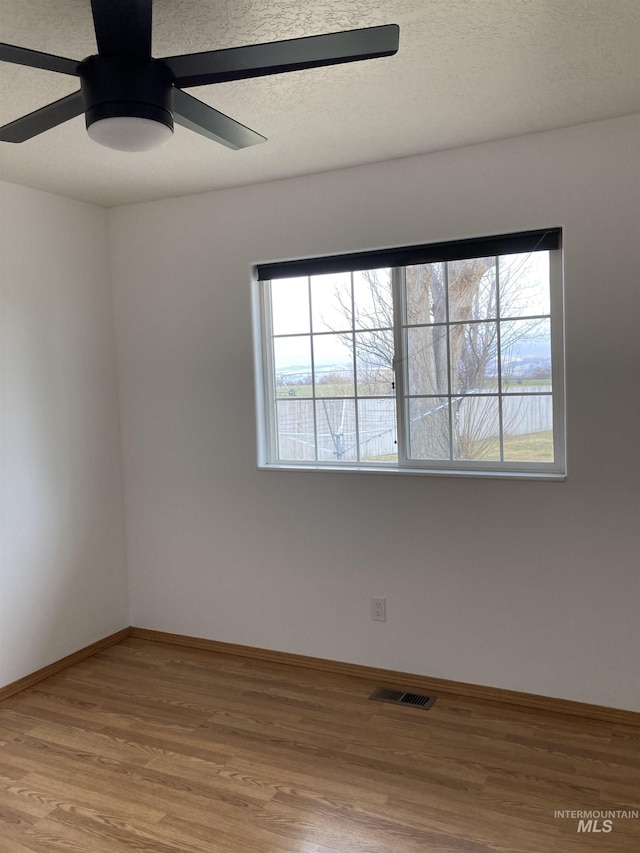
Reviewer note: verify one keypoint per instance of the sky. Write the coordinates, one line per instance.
(323, 303)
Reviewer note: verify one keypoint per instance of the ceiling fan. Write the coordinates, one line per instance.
(131, 100)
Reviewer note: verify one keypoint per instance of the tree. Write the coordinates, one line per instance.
(468, 357)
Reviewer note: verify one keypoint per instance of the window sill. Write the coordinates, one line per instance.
(484, 474)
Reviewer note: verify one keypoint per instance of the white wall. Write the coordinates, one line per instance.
(529, 586)
(63, 578)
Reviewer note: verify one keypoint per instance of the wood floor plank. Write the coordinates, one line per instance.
(156, 748)
(21, 799)
(276, 777)
(15, 839)
(87, 793)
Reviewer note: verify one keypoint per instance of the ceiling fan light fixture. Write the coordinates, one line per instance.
(129, 133)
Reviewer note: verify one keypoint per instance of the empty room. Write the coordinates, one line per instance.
(319, 427)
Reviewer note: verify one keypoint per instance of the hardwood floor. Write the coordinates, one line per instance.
(156, 748)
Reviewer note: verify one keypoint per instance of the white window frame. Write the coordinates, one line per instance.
(266, 398)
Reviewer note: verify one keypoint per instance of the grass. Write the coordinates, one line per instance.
(342, 389)
(383, 389)
(514, 384)
(389, 457)
(533, 447)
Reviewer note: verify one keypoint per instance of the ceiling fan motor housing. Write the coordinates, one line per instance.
(119, 86)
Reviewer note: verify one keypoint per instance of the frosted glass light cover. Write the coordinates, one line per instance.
(129, 133)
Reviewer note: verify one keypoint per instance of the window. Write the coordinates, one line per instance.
(442, 358)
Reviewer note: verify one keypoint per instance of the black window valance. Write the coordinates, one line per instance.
(455, 250)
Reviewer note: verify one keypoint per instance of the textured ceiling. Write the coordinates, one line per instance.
(467, 71)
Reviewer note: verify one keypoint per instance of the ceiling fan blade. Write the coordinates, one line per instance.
(201, 118)
(36, 59)
(123, 27)
(260, 60)
(43, 119)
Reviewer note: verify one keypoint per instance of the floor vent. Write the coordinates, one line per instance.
(399, 697)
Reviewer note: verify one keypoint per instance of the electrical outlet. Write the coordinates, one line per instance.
(379, 609)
